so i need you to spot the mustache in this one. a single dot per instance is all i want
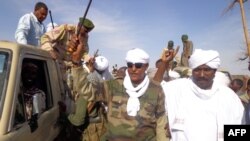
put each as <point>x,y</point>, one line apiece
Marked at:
<point>201,79</point>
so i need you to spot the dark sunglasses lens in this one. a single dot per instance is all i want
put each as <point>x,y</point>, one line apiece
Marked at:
<point>130,65</point>
<point>138,65</point>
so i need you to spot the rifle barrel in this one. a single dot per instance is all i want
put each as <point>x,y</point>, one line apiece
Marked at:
<point>84,17</point>
<point>51,19</point>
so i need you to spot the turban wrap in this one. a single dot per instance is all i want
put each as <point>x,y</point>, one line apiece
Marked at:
<point>101,63</point>
<point>207,57</point>
<point>137,55</point>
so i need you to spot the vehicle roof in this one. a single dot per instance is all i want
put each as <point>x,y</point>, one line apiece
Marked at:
<point>15,47</point>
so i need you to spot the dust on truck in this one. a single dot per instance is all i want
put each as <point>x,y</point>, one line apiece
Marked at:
<point>14,123</point>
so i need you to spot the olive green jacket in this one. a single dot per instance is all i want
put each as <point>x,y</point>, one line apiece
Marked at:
<point>147,125</point>
<point>88,88</point>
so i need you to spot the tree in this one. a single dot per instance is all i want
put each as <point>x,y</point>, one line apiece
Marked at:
<point>243,22</point>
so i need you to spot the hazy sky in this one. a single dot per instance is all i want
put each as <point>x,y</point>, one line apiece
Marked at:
<point>147,24</point>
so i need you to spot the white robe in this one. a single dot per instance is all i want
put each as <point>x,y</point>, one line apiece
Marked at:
<point>197,117</point>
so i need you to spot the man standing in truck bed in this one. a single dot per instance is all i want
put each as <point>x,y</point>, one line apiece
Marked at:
<point>30,26</point>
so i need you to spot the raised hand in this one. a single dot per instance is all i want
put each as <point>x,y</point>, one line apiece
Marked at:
<point>72,44</point>
<point>169,54</point>
<point>78,48</point>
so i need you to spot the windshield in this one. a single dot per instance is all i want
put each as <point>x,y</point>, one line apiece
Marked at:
<point>4,59</point>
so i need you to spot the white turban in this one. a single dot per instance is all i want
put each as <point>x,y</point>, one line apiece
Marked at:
<point>137,55</point>
<point>50,27</point>
<point>207,57</point>
<point>174,74</point>
<point>101,63</point>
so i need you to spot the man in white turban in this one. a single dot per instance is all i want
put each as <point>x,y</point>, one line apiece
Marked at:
<point>102,67</point>
<point>135,105</point>
<point>198,107</point>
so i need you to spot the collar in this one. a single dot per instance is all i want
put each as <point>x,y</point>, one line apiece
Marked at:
<point>34,17</point>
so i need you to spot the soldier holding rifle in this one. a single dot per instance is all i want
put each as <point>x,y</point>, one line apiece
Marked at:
<point>60,41</point>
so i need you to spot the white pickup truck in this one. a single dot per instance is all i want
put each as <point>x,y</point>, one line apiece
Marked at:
<point>15,126</point>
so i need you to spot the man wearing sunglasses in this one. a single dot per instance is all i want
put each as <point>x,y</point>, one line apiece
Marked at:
<point>198,107</point>
<point>135,104</point>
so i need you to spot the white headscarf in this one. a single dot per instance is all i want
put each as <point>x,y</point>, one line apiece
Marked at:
<point>102,64</point>
<point>133,104</point>
<point>207,57</point>
<point>135,55</point>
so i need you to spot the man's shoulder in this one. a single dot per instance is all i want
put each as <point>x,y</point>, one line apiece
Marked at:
<point>64,27</point>
<point>154,87</point>
<point>26,16</point>
<point>227,93</point>
<point>180,82</point>
<point>70,27</point>
<point>226,89</point>
<point>114,82</point>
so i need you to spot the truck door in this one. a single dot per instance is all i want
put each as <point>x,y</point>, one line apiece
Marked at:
<point>36,109</point>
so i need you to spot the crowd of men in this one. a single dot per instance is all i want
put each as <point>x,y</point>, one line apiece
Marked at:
<point>133,106</point>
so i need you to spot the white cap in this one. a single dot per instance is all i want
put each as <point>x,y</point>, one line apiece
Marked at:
<point>137,55</point>
<point>101,63</point>
<point>50,27</point>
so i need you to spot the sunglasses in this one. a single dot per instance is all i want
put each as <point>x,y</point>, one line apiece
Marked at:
<point>137,65</point>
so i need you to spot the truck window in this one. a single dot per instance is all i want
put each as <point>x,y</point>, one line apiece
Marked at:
<point>4,59</point>
<point>35,96</point>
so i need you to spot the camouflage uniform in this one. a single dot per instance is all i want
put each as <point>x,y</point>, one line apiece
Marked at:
<point>187,51</point>
<point>88,113</point>
<point>56,41</point>
<point>150,121</point>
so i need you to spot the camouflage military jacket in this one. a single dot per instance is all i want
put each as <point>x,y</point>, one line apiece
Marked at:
<point>187,48</point>
<point>89,88</point>
<point>56,40</point>
<point>147,125</point>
